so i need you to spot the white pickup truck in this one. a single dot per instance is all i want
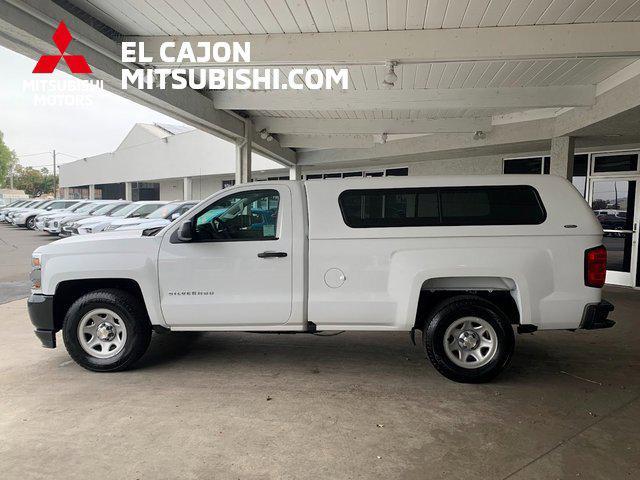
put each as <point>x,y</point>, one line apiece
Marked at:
<point>464,260</point>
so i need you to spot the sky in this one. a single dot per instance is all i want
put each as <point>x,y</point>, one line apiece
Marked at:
<point>75,131</point>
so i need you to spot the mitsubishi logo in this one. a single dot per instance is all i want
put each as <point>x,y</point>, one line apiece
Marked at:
<point>48,63</point>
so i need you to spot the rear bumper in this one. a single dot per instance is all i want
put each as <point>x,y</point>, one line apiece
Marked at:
<point>595,316</point>
<point>41,315</point>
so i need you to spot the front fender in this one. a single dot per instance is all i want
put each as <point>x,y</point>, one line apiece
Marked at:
<point>133,258</point>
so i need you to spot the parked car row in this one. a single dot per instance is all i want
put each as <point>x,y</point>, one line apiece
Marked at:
<point>81,217</point>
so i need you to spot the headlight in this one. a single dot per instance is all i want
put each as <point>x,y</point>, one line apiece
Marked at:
<point>112,227</point>
<point>36,272</point>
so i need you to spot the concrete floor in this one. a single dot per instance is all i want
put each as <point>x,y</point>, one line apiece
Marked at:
<point>16,246</point>
<point>357,405</point>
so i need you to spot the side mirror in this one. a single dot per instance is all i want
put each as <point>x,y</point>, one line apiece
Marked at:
<point>49,209</point>
<point>175,216</point>
<point>185,233</point>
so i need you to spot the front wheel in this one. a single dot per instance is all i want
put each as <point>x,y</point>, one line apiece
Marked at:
<point>31,223</point>
<point>468,339</point>
<point>106,330</point>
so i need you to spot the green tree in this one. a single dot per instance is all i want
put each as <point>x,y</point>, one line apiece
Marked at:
<point>8,159</point>
<point>32,181</point>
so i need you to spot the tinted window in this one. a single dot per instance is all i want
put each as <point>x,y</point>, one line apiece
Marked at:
<point>249,215</point>
<point>509,205</point>
<point>615,163</point>
<point>447,206</point>
<point>390,208</point>
<point>523,165</point>
<point>397,172</point>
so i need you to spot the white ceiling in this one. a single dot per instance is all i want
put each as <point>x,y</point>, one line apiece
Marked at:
<point>228,17</point>
<point>202,17</point>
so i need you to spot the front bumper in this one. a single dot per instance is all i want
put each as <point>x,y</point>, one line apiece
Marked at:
<point>68,231</point>
<point>52,226</point>
<point>41,315</point>
<point>595,316</point>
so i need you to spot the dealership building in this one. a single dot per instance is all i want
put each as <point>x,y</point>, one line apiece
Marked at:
<point>437,87</point>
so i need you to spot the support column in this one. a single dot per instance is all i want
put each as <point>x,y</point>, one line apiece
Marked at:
<point>64,193</point>
<point>92,192</point>
<point>562,151</point>
<point>128,191</point>
<point>243,154</point>
<point>295,172</point>
<point>187,187</point>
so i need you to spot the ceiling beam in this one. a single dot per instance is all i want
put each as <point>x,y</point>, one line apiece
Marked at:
<point>620,99</point>
<point>423,99</point>
<point>418,46</point>
<point>28,26</point>
<point>305,140</point>
<point>373,126</point>
<point>512,138</point>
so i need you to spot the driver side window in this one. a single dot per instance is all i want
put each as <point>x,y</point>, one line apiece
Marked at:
<point>250,215</point>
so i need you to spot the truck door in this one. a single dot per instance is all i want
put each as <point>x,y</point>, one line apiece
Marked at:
<point>237,270</point>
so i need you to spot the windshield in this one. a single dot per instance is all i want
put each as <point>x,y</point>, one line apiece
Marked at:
<point>46,204</point>
<point>123,212</point>
<point>86,208</point>
<point>104,209</point>
<point>164,211</point>
<point>74,207</point>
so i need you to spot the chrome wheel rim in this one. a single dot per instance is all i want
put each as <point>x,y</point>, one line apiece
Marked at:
<point>470,342</point>
<point>102,333</point>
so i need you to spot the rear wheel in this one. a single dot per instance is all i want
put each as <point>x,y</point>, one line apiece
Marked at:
<point>106,330</point>
<point>468,339</point>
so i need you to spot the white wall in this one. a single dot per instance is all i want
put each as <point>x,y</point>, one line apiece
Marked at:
<point>491,165</point>
<point>202,187</point>
<point>190,154</point>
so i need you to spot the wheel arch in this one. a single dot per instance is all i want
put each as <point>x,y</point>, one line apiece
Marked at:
<point>501,291</point>
<point>68,291</point>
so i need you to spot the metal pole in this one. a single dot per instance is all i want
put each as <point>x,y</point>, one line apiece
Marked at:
<point>54,173</point>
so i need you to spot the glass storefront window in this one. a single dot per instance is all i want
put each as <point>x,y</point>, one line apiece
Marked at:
<point>526,166</point>
<point>580,168</point>
<point>627,162</point>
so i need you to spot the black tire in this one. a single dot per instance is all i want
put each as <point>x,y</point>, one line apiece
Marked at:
<point>131,312</point>
<point>450,311</point>
<point>30,223</point>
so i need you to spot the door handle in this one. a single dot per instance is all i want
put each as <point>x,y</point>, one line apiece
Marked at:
<point>272,254</point>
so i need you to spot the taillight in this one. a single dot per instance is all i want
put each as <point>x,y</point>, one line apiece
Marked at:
<point>595,266</point>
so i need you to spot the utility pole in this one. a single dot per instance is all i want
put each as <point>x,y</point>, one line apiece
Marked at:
<point>11,177</point>
<point>54,173</point>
